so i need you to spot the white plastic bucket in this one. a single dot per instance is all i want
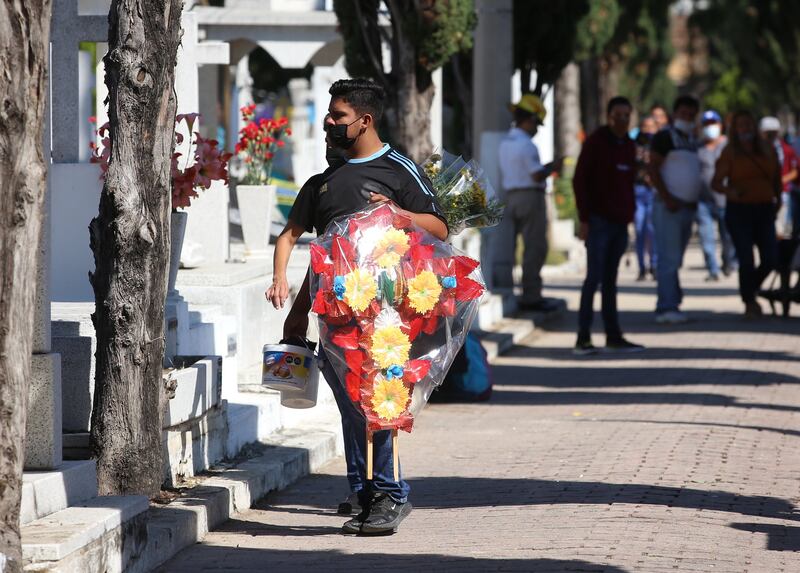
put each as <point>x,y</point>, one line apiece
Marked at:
<point>292,370</point>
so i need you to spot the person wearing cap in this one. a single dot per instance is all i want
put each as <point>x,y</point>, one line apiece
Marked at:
<point>711,205</point>
<point>524,180</point>
<point>770,128</point>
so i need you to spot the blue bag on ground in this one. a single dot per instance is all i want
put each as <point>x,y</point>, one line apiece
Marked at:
<point>469,378</point>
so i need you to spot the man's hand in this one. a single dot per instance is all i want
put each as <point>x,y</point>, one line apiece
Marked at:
<point>296,324</point>
<point>583,231</point>
<point>558,165</point>
<point>278,292</point>
<point>378,198</point>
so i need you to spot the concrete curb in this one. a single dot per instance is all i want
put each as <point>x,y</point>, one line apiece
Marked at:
<point>290,455</point>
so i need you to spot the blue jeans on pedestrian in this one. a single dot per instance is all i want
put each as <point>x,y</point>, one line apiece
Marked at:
<point>753,226</point>
<point>643,224</point>
<point>673,230</point>
<point>708,213</point>
<point>354,431</point>
<point>605,246</point>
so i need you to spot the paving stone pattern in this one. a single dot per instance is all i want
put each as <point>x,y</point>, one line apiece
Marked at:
<point>683,458</point>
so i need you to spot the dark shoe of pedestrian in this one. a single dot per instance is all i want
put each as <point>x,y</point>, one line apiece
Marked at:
<point>753,310</point>
<point>622,345</point>
<point>712,278</point>
<point>350,504</point>
<point>354,525</point>
<point>642,277</point>
<point>385,515</point>
<point>584,347</point>
<point>543,305</point>
<point>728,270</point>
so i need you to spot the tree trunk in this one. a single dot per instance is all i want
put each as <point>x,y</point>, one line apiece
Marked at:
<point>24,41</point>
<point>568,112</point>
<point>130,239</point>
<point>409,116</point>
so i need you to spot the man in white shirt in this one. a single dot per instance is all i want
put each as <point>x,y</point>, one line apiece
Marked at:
<point>524,180</point>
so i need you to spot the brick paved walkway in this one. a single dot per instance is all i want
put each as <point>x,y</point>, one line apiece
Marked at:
<point>683,458</point>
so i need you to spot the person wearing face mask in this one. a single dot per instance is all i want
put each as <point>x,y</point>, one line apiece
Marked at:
<point>770,128</point>
<point>524,180</point>
<point>643,217</point>
<point>675,172</point>
<point>749,174</point>
<point>363,170</point>
<point>711,205</point>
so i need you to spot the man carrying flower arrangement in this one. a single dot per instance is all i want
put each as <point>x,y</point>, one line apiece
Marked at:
<point>373,172</point>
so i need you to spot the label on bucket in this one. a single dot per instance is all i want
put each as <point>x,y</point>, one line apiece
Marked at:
<point>285,369</point>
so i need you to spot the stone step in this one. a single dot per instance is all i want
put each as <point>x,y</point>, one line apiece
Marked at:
<point>98,535</point>
<point>47,492</point>
<point>204,313</point>
<point>76,446</point>
<point>283,459</point>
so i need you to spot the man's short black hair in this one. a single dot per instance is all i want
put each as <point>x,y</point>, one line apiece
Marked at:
<point>521,115</point>
<point>686,101</point>
<point>618,100</point>
<point>364,95</point>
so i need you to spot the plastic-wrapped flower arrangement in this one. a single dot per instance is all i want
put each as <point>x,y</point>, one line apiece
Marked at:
<point>464,192</point>
<point>394,306</point>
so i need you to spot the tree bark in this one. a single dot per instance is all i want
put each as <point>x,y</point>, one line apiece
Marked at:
<point>411,96</point>
<point>130,239</point>
<point>567,97</point>
<point>24,41</point>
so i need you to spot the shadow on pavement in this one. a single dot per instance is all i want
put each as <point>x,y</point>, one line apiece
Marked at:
<point>650,288</point>
<point>558,354</point>
<point>588,376</point>
<point>521,397</point>
<point>211,558</point>
<point>458,492</point>
<point>785,432</point>
<point>779,537</point>
<point>643,321</point>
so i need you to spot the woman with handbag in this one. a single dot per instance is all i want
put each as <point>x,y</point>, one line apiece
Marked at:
<point>749,175</point>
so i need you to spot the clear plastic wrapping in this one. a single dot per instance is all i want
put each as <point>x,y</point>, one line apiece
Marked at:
<point>394,306</point>
<point>464,192</point>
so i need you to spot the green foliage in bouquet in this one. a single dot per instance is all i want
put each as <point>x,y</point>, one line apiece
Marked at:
<point>464,194</point>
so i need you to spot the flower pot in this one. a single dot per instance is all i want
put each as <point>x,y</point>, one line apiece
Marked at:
<point>177,232</point>
<point>256,203</point>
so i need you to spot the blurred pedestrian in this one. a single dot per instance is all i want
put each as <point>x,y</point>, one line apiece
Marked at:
<point>604,194</point>
<point>660,115</point>
<point>711,205</point>
<point>675,173</point>
<point>749,175</point>
<point>524,179</point>
<point>643,217</point>
<point>770,128</point>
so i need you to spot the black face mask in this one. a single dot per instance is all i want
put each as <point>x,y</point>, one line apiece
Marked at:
<point>334,157</point>
<point>337,134</point>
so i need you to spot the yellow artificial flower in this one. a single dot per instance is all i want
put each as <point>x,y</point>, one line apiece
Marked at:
<point>359,288</point>
<point>423,291</point>
<point>390,346</point>
<point>389,398</point>
<point>390,248</point>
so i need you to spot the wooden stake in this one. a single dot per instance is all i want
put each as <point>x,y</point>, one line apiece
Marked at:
<point>395,456</point>
<point>369,455</point>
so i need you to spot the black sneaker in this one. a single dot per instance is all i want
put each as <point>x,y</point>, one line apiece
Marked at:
<point>584,348</point>
<point>350,504</point>
<point>364,502</point>
<point>384,516</point>
<point>622,345</point>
